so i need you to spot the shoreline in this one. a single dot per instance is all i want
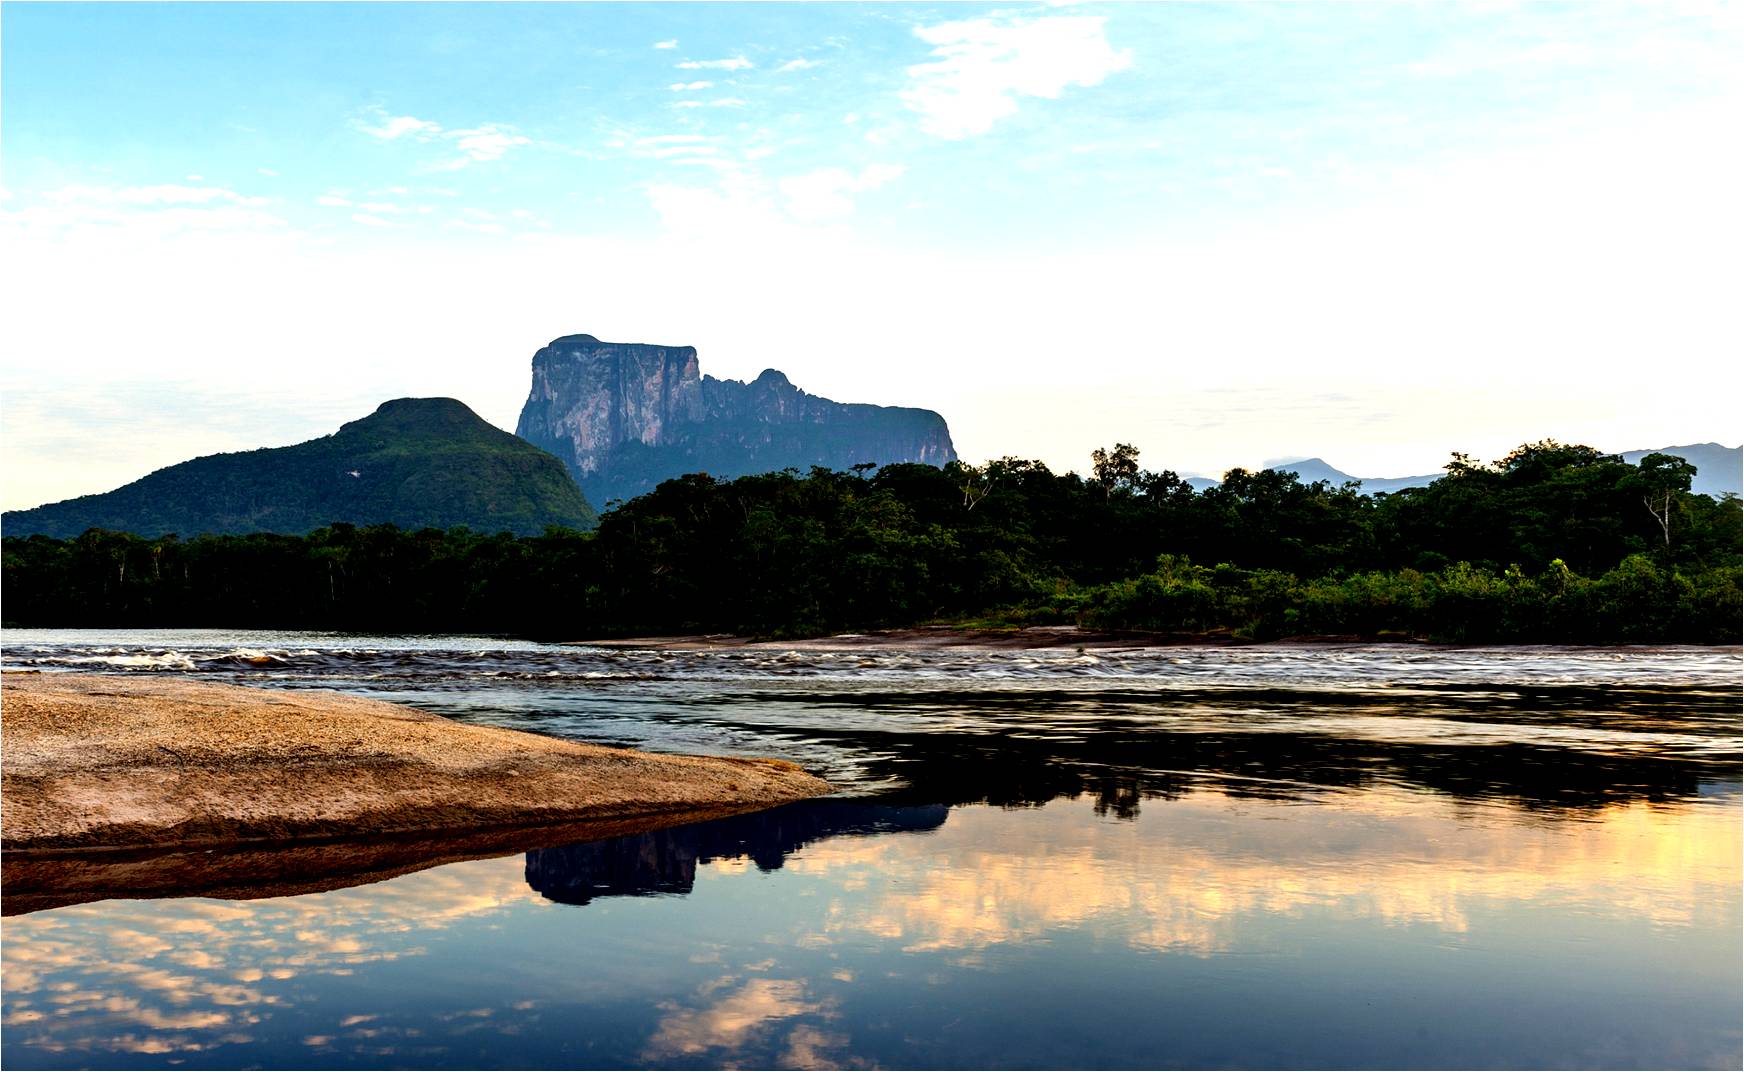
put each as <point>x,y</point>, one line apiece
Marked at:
<point>1025,638</point>
<point>102,768</point>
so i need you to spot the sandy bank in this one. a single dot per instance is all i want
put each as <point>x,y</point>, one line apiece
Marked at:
<point>98,762</point>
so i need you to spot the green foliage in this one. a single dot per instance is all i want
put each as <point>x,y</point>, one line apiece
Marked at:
<point>1551,544</point>
<point>414,462</point>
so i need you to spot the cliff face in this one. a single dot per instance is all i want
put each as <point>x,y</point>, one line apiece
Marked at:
<point>625,416</point>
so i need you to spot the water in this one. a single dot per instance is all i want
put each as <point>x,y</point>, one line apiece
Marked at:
<point>1251,857</point>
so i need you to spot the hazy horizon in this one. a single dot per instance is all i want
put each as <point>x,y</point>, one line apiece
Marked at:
<point>1227,234</point>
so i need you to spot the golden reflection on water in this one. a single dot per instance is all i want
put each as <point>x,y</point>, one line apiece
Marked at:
<point>199,973</point>
<point>1200,875</point>
<point>1188,878</point>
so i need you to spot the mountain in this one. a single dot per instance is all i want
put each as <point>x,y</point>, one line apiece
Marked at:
<point>1312,469</point>
<point>625,416</point>
<point>1718,470</point>
<point>415,462</point>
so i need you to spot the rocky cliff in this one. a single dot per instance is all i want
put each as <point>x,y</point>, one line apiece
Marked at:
<point>625,416</point>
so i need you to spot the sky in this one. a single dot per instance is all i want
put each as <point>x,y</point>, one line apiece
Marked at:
<point>1229,234</point>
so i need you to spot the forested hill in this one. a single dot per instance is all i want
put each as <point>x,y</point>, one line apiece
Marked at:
<point>414,462</point>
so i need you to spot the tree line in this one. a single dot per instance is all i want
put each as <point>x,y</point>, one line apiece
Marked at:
<point>1552,543</point>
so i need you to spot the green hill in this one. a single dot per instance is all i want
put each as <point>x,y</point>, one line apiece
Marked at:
<point>414,462</point>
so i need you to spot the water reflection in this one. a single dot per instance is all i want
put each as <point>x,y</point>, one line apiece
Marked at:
<point>665,861</point>
<point>798,934</point>
<point>185,976</point>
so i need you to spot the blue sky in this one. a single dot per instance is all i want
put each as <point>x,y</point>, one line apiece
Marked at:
<point>1228,233</point>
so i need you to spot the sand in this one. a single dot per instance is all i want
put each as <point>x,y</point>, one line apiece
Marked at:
<point>105,762</point>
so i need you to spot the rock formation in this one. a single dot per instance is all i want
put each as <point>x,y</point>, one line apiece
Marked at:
<point>625,416</point>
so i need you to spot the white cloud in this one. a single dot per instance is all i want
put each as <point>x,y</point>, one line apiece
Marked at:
<point>393,127</point>
<point>800,65</point>
<point>985,65</point>
<point>168,194</point>
<point>670,146</point>
<point>681,87</point>
<point>828,193</point>
<point>736,63</point>
<point>333,201</point>
<point>719,102</point>
<point>370,221</point>
<point>138,216</point>
<point>196,178</point>
<point>668,43</point>
<point>268,172</point>
<point>488,142</point>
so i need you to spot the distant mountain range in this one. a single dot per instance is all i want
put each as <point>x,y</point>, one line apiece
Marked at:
<point>1719,469</point>
<point>626,416</point>
<point>414,462</point>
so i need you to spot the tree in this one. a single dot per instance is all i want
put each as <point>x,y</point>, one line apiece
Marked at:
<point>1662,480</point>
<point>1113,469</point>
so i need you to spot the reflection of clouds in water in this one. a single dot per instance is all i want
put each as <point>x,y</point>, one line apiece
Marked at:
<point>128,976</point>
<point>1186,881</point>
<point>753,1011</point>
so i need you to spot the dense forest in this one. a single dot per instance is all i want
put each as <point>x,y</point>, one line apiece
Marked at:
<point>1552,543</point>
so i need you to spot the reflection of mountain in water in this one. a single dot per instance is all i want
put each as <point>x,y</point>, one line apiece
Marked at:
<point>665,861</point>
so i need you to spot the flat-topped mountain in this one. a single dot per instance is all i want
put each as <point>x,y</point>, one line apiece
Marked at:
<point>414,462</point>
<point>625,416</point>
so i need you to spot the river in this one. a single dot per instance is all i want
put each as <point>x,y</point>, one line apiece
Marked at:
<point>1266,857</point>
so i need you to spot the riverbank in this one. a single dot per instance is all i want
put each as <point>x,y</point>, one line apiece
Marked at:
<point>107,762</point>
<point>1034,637</point>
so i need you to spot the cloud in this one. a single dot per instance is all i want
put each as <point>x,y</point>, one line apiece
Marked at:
<point>268,172</point>
<point>370,221</point>
<point>140,213</point>
<point>800,65</point>
<point>488,142</point>
<point>719,102</point>
<point>680,87</point>
<point>826,193</point>
<point>485,142</point>
<point>736,63</point>
<point>985,65</point>
<point>167,194</point>
<point>732,1020</point>
<point>394,127</point>
<point>671,42</point>
<point>668,146</point>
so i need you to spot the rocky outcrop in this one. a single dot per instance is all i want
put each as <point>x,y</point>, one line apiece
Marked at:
<point>625,416</point>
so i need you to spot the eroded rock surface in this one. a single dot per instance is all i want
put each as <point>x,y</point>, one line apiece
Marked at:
<point>625,416</point>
